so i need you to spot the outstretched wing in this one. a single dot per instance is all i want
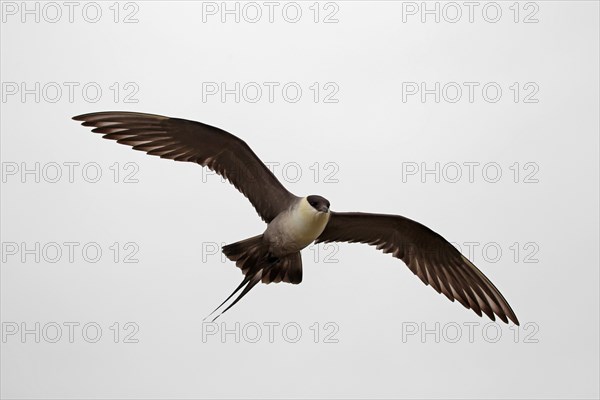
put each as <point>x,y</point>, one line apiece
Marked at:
<point>183,140</point>
<point>427,254</point>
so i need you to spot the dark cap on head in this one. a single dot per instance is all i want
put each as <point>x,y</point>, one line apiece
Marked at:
<point>319,203</point>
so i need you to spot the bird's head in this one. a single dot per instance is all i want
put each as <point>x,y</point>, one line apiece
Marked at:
<point>321,204</point>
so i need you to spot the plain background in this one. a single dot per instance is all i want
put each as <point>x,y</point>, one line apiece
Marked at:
<point>174,211</point>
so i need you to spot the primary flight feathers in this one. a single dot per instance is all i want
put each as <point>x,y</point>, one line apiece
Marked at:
<point>294,222</point>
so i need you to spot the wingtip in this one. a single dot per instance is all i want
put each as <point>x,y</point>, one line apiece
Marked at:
<point>503,318</point>
<point>117,115</point>
<point>86,116</point>
<point>507,318</point>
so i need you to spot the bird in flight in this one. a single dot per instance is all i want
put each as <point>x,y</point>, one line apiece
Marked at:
<point>295,222</point>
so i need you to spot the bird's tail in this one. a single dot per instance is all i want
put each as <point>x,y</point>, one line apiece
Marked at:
<point>252,257</point>
<point>247,253</point>
<point>249,282</point>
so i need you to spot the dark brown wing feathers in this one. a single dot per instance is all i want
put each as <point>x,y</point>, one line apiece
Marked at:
<point>428,255</point>
<point>184,140</point>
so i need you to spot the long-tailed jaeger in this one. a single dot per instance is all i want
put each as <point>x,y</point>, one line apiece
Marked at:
<point>295,222</point>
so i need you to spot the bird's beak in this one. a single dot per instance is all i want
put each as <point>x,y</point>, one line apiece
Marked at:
<point>324,209</point>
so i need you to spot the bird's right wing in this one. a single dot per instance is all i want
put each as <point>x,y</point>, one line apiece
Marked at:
<point>427,254</point>
<point>183,140</point>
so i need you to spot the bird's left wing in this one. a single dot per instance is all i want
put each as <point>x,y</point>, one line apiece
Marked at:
<point>427,254</point>
<point>183,140</point>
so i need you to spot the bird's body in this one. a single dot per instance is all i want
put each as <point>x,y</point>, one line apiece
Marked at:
<point>295,222</point>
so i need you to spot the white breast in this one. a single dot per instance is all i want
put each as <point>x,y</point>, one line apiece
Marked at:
<point>305,224</point>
